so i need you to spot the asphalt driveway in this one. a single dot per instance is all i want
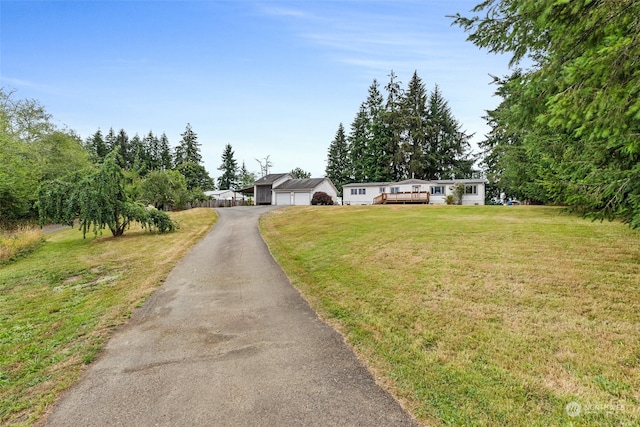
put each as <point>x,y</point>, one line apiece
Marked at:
<point>227,341</point>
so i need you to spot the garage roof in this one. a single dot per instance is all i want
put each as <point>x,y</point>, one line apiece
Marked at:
<point>270,179</point>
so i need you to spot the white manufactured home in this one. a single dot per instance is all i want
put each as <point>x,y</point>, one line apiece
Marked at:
<point>412,191</point>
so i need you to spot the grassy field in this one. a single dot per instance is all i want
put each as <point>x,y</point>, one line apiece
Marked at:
<point>59,304</point>
<point>477,315</point>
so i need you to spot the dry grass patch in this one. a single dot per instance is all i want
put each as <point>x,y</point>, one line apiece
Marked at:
<point>478,315</point>
<point>59,305</point>
<point>20,242</point>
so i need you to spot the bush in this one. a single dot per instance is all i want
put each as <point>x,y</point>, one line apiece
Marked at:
<point>321,198</point>
<point>161,221</point>
<point>458,192</point>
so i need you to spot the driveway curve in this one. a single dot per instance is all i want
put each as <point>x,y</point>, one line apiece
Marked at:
<point>227,341</point>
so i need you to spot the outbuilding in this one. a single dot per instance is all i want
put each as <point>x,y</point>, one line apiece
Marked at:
<point>284,190</point>
<point>300,191</point>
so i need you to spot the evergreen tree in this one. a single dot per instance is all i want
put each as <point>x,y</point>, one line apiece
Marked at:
<point>577,108</point>
<point>110,140</point>
<point>300,173</point>
<point>358,139</point>
<point>229,167</point>
<point>138,156</point>
<point>393,122</point>
<point>125,158</point>
<point>339,161</point>
<point>447,146</point>
<point>151,146</point>
<point>164,149</point>
<point>377,161</point>
<point>414,111</point>
<point>97,146</point>
<point>188,150</point>
<point>246,178</point>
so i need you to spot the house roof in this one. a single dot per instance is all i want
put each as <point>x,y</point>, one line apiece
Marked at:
<point>219,192</point>
<point>367,184</point>
<point>270,179</point>
<point>300,184</point>
<point>463,181</point>
<point>412,181</point>
<point>415,181</point>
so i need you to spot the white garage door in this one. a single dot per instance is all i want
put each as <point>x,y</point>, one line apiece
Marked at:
<point>301,199</point>
<point>283,199</point>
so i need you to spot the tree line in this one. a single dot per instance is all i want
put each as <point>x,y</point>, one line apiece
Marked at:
<point>107,180</point>
<point>568,128</point>
<point>49,173</point>
<point>150,153</point>
<point>410,134</point>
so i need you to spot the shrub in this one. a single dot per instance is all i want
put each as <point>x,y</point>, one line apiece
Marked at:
<point>458,192</point>
<point>161,221</point>
<point>321,198</point>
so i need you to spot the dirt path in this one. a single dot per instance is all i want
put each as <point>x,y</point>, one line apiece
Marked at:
<point>227,341</point>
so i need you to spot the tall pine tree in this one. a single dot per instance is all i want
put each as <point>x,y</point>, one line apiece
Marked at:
<point>110,140</point>
<point>358,139</point>
<point>97,146</point>
<point>166,160</point>
<point>152,149</point>
<point>188,150</point>
<point>377,160</point>
<point>338,160</point>
<point>122,144</point>
<point>393,121</point>
<point>229,167</point>
<point>447,145</point>
<point>414,111</point>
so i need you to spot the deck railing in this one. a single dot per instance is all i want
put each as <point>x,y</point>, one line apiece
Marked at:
<point>406,197</point>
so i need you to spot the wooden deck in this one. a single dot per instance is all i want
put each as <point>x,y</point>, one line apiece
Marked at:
<point>402,198</point>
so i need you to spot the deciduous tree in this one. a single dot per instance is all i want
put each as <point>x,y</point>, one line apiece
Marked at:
<point>99,200</point>
<point>164,188</point>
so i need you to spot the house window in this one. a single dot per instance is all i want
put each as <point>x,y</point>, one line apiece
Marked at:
<point>362,191</point>
<point>383,189</point>
<point>437,190</point>
<point>470,189</point>
<point>354,191</point>
<point>395,190</point>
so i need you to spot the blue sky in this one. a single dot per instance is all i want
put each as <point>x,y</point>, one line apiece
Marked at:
<point>268,77</point>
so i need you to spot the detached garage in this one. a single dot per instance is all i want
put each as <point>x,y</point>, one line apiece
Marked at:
<point>300,191</point>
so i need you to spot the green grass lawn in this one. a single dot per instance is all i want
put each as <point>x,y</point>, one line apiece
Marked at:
<point>59,304</point>
<point>477,315</point>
